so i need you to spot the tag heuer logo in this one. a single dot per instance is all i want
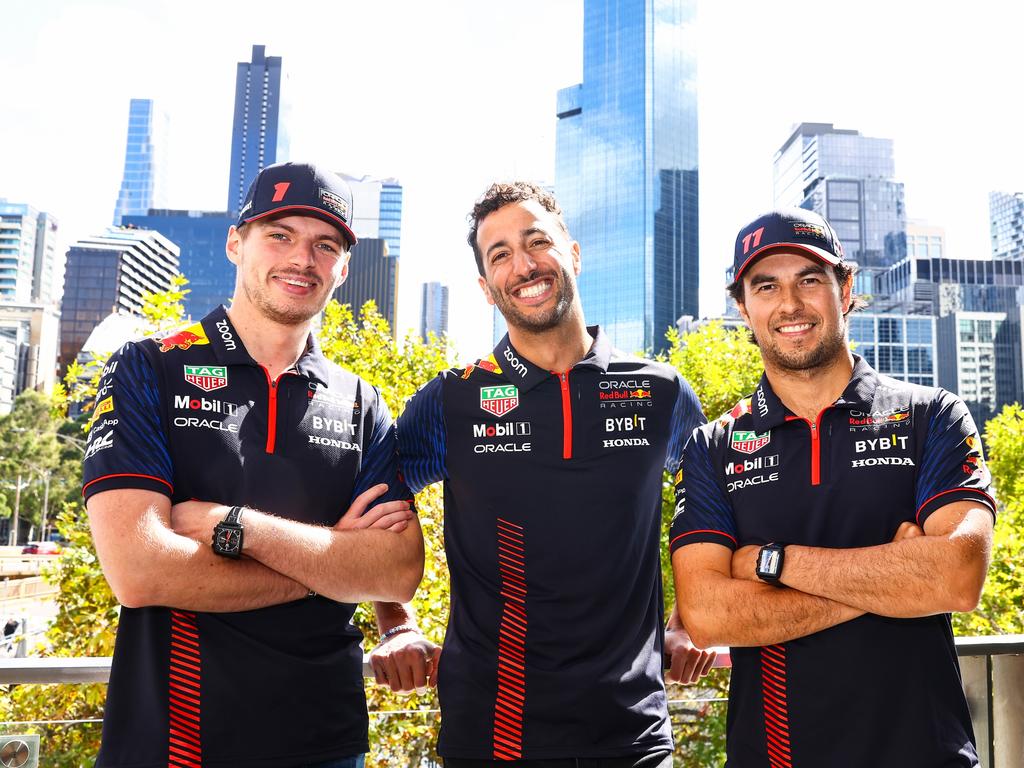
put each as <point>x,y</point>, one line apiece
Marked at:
<point>207,377</point>
<point>749,442</point>
<point>499,400</point>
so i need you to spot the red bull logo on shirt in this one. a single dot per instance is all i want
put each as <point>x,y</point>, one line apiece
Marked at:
<point>185,338</point>
<point>499,400</point>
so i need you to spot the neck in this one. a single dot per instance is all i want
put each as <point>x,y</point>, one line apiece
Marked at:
<point>275,346</point>
<point>556,349</point>
<point>807,393</point>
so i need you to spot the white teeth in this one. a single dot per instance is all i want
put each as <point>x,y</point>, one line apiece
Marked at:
<point>795,328</point>
<point>534,290</point>
<point>293,281</point>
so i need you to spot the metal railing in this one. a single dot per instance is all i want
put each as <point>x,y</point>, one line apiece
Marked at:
<point>992,670</point>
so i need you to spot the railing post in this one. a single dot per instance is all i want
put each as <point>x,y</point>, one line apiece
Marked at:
<point>975,671</point>
<point>1008,711</point>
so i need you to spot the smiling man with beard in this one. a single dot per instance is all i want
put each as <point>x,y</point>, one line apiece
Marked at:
<point>827,526</point>
<point>552,452</point>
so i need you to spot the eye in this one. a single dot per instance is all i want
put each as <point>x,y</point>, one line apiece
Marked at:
<point>328,247</point>
<point>540,242</point>
<point>498,256</point>
<point>281,236</point>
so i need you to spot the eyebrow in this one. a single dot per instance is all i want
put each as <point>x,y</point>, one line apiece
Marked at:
<point>333,236</point>
<point>810,269</point>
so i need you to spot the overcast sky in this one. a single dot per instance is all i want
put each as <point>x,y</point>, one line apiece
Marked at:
<point>447,96</point>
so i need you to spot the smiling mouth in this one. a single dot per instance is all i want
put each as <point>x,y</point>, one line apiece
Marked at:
<point>296,281</point>
<point>794,328</point>
<point>534,290</point>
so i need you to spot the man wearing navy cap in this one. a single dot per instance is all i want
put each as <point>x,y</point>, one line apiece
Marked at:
<point>229,478</point>
<point>826,527</point>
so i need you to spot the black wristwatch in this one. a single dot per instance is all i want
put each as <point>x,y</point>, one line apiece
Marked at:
<point>227,534</point>
<point>769,563</point>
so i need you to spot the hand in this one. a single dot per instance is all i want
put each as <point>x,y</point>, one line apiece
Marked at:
<point>407,662</point>
<point>744,562</point>
<point>196,519</point>
<point>687,662</point>
<point>389,516</point>
<point>908,530</point>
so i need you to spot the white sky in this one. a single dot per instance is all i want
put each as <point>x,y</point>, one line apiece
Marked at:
<point>448,96</point>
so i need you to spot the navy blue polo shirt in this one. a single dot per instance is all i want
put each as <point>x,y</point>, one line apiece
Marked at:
<point>191,415</point>
<point>874,691</point>
<point>552,512</point>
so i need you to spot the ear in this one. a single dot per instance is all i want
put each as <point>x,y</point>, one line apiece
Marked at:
<point>576,263</point>
<point>233,245</point>
<point>486,289</point>
<point>343,274</point>
<point>743,313</point>
<point>846,294</point>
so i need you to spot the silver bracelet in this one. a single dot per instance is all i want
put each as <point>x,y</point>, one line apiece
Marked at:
<point>399,630</point>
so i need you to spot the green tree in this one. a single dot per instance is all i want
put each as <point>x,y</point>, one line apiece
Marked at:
<point>722,366</point>
<point>1001,610</point>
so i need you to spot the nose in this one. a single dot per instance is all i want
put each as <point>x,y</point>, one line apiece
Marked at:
<point>523,262</point>
<point>790,301</point>
<point>303,253</point>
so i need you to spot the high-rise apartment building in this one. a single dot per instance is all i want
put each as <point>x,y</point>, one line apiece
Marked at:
<point>201,236</point>
<point>373,274</point>
<point>434,310</point>
<point>109,273</point>
<point>144,178</point>
<point>1006,215</point>
<point>29,335</point>
<point>626,167</point>
<point>377,209</point>
<point>848,179</point>
<point>258,137</point>
<point>30,268</point>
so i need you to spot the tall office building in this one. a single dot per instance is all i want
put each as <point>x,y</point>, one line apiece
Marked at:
<point>30,268</point>
<point>144,179</point>
<point>1006,214</point>
<point>626,167</point>
<point>258,137</point>
<point>434,310</point>
<point>201,236</point>
<point>108,274</point>
<point>848,179</point>
<point>377,209</point>
<point>373,274</point>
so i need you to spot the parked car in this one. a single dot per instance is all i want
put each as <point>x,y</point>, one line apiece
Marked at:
<point>41,548</point>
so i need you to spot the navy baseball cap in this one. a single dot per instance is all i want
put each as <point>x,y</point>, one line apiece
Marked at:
<point>301,189</point>
<point>795,228</point>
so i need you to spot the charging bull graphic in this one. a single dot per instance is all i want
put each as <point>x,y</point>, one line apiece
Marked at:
<point>185,338</point>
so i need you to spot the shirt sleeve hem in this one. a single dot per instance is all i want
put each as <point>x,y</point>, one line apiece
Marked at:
<point>943,498</point>
<point>127,480</point>
<point>702,536</point>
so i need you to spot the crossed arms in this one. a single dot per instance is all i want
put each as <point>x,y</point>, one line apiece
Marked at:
<point>937,569</point>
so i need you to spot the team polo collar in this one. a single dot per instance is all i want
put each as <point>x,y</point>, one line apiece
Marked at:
<point>228,348</point>
<point>526,375</point>
<point>768,411</point>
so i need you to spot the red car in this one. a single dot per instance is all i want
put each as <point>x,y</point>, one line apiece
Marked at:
<point>41,548</point>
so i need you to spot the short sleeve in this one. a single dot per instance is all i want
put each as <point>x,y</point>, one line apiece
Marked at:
<point>686,416</point>
<point>422,437</point>
<point>702,513</point>
<point>952,463</point>
<point>127,446</point>
<point>380,456</point>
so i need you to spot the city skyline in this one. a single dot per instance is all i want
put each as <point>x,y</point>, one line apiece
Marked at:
<point>448,115</point>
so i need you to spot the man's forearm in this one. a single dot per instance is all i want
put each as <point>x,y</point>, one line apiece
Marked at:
<point>911,577</point>
<point>345,565</point>
<point>719,610</point>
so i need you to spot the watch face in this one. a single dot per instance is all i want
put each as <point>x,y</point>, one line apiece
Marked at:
<point>768,562</point>
<point>228,540</point>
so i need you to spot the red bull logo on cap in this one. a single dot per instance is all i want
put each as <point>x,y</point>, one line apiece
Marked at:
<point>185,338</point>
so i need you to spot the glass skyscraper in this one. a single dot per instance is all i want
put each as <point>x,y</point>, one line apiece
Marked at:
<point>1006,214</point>
<point>848,179</point>
<point>143,179</point>
<point>626,167</point>
<point>258,138</point>
<point>30,268</point>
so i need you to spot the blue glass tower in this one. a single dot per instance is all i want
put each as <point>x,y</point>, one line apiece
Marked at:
<point>626,167</point>
<point>142,179</point>
<point>257,139</point>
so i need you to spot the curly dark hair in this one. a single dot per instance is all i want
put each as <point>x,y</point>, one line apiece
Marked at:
<point>843,271</point>
<point>500,194</point>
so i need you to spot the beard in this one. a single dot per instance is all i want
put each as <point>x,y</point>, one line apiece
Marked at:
<point>830,347</point>
<point>294,313</point>
<point>543,320</point>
